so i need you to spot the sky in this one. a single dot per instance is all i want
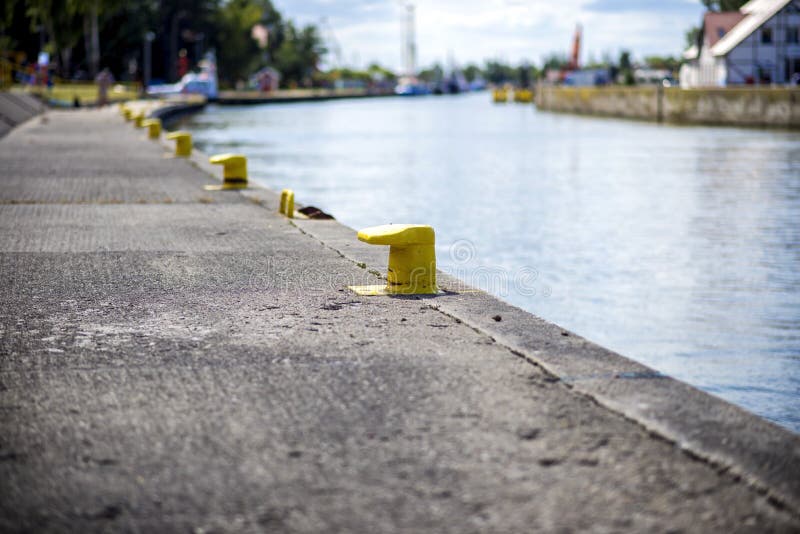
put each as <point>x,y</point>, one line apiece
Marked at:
<point>510,30</point>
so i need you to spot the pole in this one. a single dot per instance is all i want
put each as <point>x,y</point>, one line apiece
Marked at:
<point>198,47</point>
<point>94,56</point>
<point>148,53</point>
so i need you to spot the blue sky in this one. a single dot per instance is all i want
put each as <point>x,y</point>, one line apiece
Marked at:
<point>512,30</point>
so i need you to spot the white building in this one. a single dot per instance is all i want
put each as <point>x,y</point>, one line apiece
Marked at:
<point>756,45</point>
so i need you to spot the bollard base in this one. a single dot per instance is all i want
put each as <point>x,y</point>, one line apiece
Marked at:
<point>383,289</point>
<point>224,187</point>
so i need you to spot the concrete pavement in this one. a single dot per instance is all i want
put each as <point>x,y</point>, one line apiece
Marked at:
<point>173,359</point>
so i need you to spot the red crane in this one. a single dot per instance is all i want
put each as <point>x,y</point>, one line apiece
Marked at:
<point>574,60</point>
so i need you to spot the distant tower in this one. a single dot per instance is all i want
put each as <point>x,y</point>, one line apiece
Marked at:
<point>410,44</point>
<point>330,39</point>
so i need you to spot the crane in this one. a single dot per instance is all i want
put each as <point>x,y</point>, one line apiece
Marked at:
<point>410,40</point>
<point>574,60</point>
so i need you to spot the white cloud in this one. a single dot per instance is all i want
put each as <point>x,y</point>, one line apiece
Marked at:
<point>514,30</point>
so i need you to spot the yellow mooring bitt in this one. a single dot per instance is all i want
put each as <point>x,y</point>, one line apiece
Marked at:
<point>524,96</point>
<point>183,143</point>
<point>138,119</point>
<point>234,174</point>
<point>153,128</point>
<point>287,203</point>
<point>127,113</point>
<point>500,95</point>
<point>412,259</point>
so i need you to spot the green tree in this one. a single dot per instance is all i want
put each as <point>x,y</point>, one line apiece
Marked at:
<point>662,62</point>
<point>471,72</point>
<point>7,41</point>
<point>378,72</point>
<point>432,74</point>
<point>346,73</point>
<point>526,75</point>
<point>692,35</point>
<point>43,15</point>
<point>113,33</point>
<point>497,72</point>
<point>724,5</point>
<point>299,54</point>
<point>626,68</point>
<point>604,62</point>
<point>61,24</point>
<point>237,52</point>
<point>555,61</point>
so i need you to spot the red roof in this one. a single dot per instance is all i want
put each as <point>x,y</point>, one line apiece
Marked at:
<point>716,25</point>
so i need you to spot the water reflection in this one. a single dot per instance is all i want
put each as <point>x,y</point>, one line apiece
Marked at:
<point>678,247</point>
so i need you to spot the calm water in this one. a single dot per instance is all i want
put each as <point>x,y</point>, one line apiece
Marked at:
<point>676,246</point>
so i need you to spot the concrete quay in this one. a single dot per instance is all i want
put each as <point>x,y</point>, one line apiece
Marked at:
<point>289,96</point>
<point>180,360</point>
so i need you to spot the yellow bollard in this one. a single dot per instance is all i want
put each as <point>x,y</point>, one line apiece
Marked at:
<point>153,128</point>
<point>500,95</point>
<point>412,259</point>
<point>287,203</point>
<point>138,119</point>
<point>127,113</point>
<point>183,143</point>
<point>234,175</point>
<point>524,96</point>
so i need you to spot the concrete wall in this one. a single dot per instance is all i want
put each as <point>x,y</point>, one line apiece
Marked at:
<point>745,106</point>
<point>16,108</point>
<point>628,102</point>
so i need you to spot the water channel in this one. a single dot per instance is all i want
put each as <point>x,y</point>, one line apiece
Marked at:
<point>678,247</point>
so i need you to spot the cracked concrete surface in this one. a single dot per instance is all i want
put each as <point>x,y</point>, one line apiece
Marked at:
<point>199,365</point>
